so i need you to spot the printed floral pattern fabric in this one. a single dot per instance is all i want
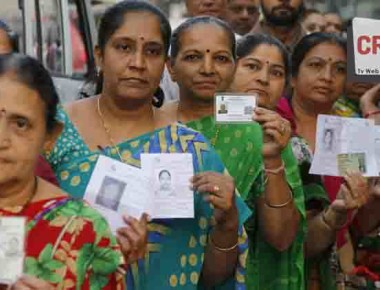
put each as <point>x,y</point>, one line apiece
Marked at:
<point>70,246</point>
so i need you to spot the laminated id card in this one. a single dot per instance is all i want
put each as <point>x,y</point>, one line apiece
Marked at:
<point>234,108</point>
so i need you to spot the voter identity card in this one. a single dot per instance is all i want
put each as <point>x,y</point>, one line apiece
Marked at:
<point>116,189</point>
<point>12,248</point>
<point>351,162</point>
<point>234,108</point>
<point>170,174</point>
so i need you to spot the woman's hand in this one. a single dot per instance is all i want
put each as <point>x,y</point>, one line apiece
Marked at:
<point>374,187</point>
<point>133,239</point>
<point>353,194</point>
<point>369,101</point>
<point>277,131</point>
<point>31,283</point>
<point>219,191</point>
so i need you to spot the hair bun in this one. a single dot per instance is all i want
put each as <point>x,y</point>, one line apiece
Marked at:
<point>158,98</point>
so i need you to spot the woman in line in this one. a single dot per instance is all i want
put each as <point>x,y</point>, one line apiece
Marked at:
<point>9,44</point>
<point>359,256</point>
<point>318,80</point>
<point>134,38</point>
<point>61,231</point>
<point>263,69</point>
<point>203,64</point>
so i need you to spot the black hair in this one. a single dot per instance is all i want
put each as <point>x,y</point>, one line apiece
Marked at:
<point>32,73</point>
<point>164,171</point>
<point>114,18</point>
<point>250,42</point>
<point>12,36</point>
<point>308,42</point>
<point>176,41</point>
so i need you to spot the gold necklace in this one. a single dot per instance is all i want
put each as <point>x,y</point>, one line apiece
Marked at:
<point>107,129</point>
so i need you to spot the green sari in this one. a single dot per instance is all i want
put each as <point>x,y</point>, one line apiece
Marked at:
<point>240,147</point>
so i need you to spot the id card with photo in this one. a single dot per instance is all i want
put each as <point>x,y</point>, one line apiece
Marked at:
<point>12,248</point>
<point>170,174</point>
<point>234,108</point>
<point>351,161</point>
<point>344,144</point>
<point>116,189</point>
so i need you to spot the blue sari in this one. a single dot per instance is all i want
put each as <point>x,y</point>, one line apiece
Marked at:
<point>176,247</point>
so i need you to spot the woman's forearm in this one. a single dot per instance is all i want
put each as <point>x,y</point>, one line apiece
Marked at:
<point>279,224</point>
<point>221,255</point>
<point>321,232</point>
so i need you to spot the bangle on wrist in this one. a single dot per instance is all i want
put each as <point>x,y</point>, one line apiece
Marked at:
<point>369,114</point>
<point>277,170</point>
<point>281,205</point>
<point>224,250</point>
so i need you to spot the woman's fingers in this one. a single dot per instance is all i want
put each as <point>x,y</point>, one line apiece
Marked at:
<point>360,185</point>
<point>27,282</point>
<point>140,227</point>
<point>274,134</point>
<point>263,117</point>
<point>218,202</point>
<point>210,189</point>
<point>351,184</point>
<point>124,243</point>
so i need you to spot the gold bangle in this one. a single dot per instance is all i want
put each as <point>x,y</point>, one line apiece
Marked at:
<point>224,250</point>
<point>279,205</point>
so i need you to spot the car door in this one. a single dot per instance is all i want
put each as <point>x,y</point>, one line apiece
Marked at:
<point>61,34</point>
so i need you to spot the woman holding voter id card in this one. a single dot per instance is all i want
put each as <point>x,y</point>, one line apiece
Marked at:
<point>48,240</point>
<point>203,64</point>
<point>263,69</point>
<point>202,252</point>
<point>318,80</point>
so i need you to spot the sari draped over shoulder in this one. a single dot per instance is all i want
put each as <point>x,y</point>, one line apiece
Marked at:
<point>176,247</point>
<point>240,147</point>
<point>316,197</point>
<point>70,246</point>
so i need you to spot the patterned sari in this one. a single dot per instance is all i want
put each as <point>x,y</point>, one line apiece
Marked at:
<point>176,246</point>
<point>240,147</point>
<point>70,245</point>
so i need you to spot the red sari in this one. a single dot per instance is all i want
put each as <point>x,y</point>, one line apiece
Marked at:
<point>70,245</point>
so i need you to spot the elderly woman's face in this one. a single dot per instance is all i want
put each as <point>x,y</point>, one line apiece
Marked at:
<point>5,44</point>
<point>22,129</point>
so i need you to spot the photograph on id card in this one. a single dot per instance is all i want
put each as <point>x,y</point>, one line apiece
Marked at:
<point>234,108</point>
<point>116,189</point>
<point>170,174</point>
<point>12,248</point>
<point>351,162</point>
